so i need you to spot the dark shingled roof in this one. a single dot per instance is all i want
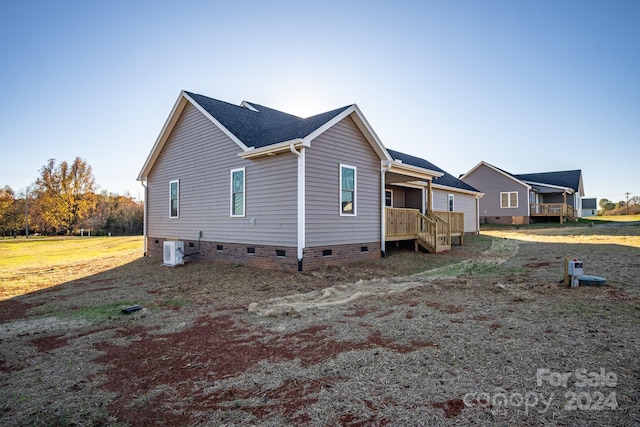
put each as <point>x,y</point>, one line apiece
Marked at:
<point>589,203</point>
<point>446,179</point>
<point>265,126</point>
<point>570,179</point>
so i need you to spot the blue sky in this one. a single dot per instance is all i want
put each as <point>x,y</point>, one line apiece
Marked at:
<point>528,86</point>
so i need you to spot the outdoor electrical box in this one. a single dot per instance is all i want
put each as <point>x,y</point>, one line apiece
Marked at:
<point>173,253</point>
<point>575,268</point>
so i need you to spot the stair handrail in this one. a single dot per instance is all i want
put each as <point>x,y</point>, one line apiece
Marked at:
<point>427,230</point>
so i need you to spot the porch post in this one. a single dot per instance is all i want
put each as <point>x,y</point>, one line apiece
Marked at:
<point>384,168</point>
<point>429,197</point>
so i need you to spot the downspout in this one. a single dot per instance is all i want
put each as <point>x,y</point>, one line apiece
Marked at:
<point>144,216</point>
<point>383,220</point>
<point>430,191</point>
<point>477,215</point>
<point>301,203</point>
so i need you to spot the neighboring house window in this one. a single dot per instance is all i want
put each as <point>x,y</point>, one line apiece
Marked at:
<point>347,190</point>
<point>174,198</point>
<point>237,192</point>
<point>450,200</point>
<point>388,198</point>
<point>509,200</point>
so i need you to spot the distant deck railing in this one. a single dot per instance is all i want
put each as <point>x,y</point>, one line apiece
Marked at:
<point>553,209</point>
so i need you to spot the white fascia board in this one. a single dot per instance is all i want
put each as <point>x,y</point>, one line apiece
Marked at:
<point>473,169</point>
<point>377,145</point>
<point>495,169</point>
<point>272,150</point>
<point>169,123</point>
<point>413,171</point>
<point>217,123</point>
<point>456,190</point>
<point>412,184</point>
<point>362,124</point>
<point>558,187</point>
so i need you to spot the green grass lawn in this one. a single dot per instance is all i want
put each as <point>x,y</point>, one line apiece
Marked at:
<point>614,218</point>
<point>582,222</point>
<point>27,265</point>
<point>49,252</point>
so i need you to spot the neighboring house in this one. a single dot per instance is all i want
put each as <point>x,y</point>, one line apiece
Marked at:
<point>523,198</point>
<point>589,207</point>
<point>252,185</point>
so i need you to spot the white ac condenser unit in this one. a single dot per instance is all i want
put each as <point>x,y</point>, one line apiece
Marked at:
<point>173,253</point>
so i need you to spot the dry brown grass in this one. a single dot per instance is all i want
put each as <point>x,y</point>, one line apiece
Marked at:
<point>379,343</point>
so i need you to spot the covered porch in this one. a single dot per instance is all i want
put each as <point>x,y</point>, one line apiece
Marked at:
<point>562,211</point>
<point>548,201</point>
<point>408,213</point>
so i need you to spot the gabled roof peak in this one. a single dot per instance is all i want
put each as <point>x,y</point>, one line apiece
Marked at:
<point>255,127</point>
<point>259,126</point>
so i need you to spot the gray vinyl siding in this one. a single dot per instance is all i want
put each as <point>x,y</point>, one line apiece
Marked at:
<point>342,144</point>
<point>200,156</point>
<point>398,196</point>
<point>492,183</point>
<point>464,203</point>
<point>413,198</point>
<point>440,201</point>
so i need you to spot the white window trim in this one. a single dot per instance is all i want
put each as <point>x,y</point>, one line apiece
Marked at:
<point>453,200</point>
<point>355,190</point>
<point>509,200</point>
<point>177,182</point>
<point>244,192</point>
<point>385,198</point>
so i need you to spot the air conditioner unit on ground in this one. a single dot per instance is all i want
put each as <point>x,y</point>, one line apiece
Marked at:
<point>173,253</point>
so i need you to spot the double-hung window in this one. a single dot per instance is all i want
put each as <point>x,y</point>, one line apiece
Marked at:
<point>174,198</point>
<point>348,175</point>
<point>509,199</point>
<point>450,202</point>
<point>237,192</point>
<point>388,198</point>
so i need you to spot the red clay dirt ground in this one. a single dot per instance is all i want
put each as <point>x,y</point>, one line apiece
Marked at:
<point>484,340</point>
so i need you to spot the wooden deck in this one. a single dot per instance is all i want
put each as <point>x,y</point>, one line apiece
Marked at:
<point>433,231</point>
<point>561,210</point>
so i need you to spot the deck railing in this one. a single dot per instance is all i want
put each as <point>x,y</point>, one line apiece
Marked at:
<point>553,209</point>
<point>401,224</point>
<point>434,229</point>
<point>455,220</point>
<point>427,230</point>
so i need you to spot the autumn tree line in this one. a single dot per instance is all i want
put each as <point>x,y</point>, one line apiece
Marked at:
<point>631,206</point>
<point>63,200</point>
